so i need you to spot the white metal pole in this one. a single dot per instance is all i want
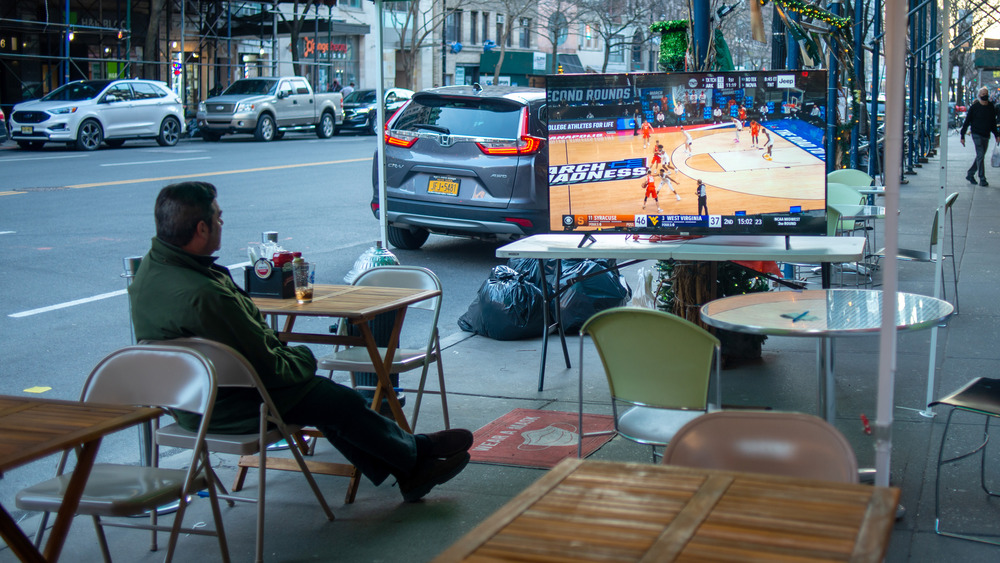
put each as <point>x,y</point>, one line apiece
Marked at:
<point>383,221</point>
<point>943,159</point>
<point>895,62</point>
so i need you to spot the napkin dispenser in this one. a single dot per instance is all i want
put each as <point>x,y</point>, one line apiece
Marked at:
<point>263,280</point>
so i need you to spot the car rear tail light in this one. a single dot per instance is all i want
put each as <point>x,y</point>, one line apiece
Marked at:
<point>524,145</point>
<point>526,223</point>
<point>400,138</point>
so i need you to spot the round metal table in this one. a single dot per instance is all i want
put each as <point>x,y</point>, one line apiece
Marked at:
<point>823,314</point>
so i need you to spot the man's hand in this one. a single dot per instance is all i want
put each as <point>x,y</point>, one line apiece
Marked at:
<point>962,139</point>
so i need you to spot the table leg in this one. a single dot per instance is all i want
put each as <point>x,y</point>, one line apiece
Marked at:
<point>71,499</point>
<point>381,366</point>
<point>827,402</point>
<point>16,540</point>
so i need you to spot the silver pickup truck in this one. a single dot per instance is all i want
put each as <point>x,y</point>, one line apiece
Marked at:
<point>268,107</point>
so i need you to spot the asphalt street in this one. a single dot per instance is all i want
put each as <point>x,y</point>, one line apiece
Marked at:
<point>68,218</point>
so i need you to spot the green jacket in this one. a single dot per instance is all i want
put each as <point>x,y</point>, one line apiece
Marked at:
<point>176,294</point>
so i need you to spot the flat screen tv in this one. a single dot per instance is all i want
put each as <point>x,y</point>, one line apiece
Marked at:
<point>688,153</point>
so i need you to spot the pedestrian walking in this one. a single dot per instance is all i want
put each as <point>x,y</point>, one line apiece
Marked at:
<point>982,120</point>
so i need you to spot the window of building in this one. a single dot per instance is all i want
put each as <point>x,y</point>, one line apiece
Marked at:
<point>486,27</point>
<point>617,49</point>
<point>473,28</point>
<point>587,36</point>
<point>500,22</point>
<point>637,41</point>
<point>357,3</point>
<point>524,35</point>
<point>453,26</point>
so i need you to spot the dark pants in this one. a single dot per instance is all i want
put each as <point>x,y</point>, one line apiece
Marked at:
<point>374,444</point>
<point>981,143</point>
<point>702,204</point>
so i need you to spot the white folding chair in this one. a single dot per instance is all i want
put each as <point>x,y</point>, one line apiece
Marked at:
<point>236,372</point>
<point>356,358</point>
<point>146,375</point>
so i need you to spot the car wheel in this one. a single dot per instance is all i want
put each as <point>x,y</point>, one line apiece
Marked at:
<point>372,124</point>
<point>407,239</point>
<point>30,145</point>
<point>114,143</point>
<point>326,126</point>
<point>210,137</point>
<point>265,129</point>
<point>170,132</point>
<point>90,136</point>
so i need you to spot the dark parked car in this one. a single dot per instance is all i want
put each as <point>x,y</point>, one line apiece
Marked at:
<point>359,108</point>
<point>466,161</point>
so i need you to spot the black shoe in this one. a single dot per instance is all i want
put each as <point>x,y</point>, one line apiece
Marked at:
<point>430,472</point>
<point>971,179</point>
<point>447,443</point>
<point>983,183</point>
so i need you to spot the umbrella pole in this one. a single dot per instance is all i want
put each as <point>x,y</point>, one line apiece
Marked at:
<point>895,60</point>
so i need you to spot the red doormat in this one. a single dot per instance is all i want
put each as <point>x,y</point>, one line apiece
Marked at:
<point>537,438</point>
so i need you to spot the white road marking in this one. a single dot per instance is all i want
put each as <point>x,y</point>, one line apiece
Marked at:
<point>67,304</point>
<point>31,158</point>
<point>7,232</point>
<point>86,300</point>
<point>158,161</point>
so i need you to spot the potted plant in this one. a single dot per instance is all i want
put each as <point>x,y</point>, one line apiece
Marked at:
<point>685,286</point>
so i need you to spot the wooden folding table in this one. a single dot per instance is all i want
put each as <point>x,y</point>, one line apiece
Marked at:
<point>607,511</point>
<point>359,305</point>
<point>32,428</point>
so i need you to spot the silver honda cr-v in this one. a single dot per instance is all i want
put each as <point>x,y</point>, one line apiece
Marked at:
<point>467,161</point>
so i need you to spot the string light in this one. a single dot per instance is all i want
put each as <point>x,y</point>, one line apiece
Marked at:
<point>813,12</point>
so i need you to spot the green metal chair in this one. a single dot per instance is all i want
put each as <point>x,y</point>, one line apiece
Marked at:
<point>658,368</point>
<point>850,177</point>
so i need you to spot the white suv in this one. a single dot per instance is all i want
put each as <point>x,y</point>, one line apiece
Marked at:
<point>85,113</point>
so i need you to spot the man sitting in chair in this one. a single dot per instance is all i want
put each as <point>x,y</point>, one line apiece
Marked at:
<point>179,291</point>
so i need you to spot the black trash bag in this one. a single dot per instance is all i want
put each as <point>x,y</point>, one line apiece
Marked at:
<point>605,289</point>
<point>507,307</point>
<point>529,267</point>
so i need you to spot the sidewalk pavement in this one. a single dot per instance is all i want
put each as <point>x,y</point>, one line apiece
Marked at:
<point>488,378</point>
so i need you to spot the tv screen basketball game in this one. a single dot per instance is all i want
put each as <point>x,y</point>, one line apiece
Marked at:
<point>688,153</point>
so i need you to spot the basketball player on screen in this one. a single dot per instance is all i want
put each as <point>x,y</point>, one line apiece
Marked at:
<point>755,134</point>
<point>657,156</point>
<point>702,198</point>
<point>647,132</point>
<point>739,127</point>
<point>666,171</point>
<point>688,141</point>
<point>650,185</point>
<point>768,145</point>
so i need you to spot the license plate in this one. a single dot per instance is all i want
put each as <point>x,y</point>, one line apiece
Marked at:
<point>443,185</point>
<point>27,130</point>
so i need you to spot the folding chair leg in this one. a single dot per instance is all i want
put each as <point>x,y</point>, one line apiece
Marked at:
<point>220,530</point>
<point>40,533</point>
<point>312,483</point>
<point>444,394</point>
<point>102,540</point>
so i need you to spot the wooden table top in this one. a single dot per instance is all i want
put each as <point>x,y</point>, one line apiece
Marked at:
<point>350,301</point>
<point>32,428</point>
<point>607,511</point>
